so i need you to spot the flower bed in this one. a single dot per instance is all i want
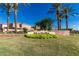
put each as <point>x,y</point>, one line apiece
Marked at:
<point>41,36</point>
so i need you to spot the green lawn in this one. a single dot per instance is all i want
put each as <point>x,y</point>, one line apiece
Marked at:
<point>23,46</point>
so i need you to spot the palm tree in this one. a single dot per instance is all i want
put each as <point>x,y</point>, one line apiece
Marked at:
<point>57,7</point>
<point>7,7</point>
<point>15,14</point>
<point>67,12</point>
<point>60,19</point>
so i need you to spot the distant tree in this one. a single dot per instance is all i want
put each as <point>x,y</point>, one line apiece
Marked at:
<point>45,24</point>
<point>37,26</point>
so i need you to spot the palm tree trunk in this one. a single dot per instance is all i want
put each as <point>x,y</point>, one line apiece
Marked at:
<point>66,22</point>
<point>8,17</point>
<point>15,16</point>
<point>60,24</point>
<point>57,14</point>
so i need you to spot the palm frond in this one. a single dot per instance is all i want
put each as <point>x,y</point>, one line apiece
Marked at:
<point>51,10</point>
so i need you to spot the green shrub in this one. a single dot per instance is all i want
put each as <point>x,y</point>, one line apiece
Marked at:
<point>41,36</point>
<point>54,36</point>
<point>25,30</point>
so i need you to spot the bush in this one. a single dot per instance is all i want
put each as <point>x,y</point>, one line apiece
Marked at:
<point>25,30</point>
<point>41,36</point>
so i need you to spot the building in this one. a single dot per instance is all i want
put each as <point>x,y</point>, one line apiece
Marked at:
<point>3,27</point>
<point>28,27</point>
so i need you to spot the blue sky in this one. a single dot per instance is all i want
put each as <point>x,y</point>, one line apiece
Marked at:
<point>37,11</point>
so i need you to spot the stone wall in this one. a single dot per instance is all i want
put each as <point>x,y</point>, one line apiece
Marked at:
<point>58,32</point>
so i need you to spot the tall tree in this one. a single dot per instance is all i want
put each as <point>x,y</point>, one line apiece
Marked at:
<point>57,7</point>
<point>7,7</point>
<point>15,13</point>
<point>67,12</point>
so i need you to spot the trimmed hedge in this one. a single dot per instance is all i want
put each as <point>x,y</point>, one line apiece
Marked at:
<point>41,36</point>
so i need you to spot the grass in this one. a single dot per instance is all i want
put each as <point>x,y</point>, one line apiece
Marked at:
<point>14,46</point>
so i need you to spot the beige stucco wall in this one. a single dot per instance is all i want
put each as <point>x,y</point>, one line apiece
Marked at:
<point>62,32</point>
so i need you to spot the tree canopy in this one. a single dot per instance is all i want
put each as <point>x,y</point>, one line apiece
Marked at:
<point>45,24</point>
